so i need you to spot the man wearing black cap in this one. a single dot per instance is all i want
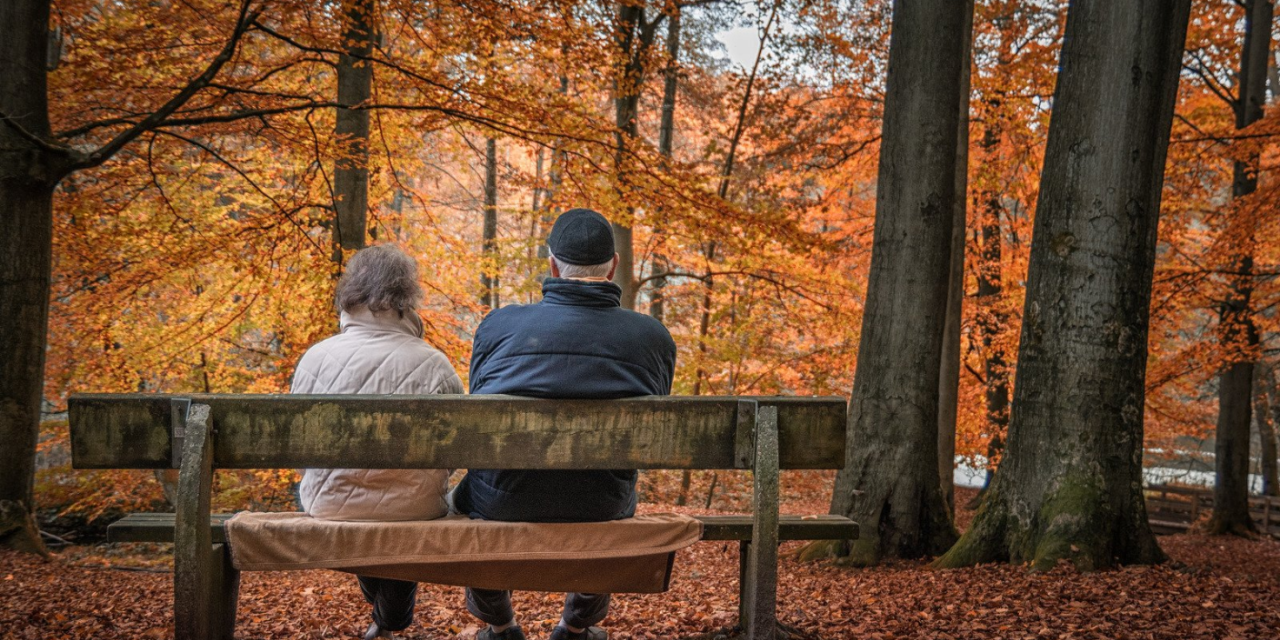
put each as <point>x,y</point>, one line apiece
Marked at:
<point>577,343</point>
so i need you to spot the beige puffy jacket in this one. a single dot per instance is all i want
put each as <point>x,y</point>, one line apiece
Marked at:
<point>377,353</point>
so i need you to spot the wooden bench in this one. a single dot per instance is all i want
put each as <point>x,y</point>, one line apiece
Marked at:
<point>199,433</point>
<point>1173,509</point>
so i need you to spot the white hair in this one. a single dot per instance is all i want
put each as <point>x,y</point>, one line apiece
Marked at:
<point>583,270</point>
<point>381,277</point>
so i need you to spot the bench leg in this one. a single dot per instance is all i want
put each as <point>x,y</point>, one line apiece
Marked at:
<point>744,610</point>
<point>226,590</point>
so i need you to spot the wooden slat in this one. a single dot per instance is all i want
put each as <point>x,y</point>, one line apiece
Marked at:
<point>158,527</point>
<point>111,431</point>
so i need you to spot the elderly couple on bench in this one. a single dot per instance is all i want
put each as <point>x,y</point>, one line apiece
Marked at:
<point>576,343</point>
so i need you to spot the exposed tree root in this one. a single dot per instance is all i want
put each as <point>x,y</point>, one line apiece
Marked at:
<point>18,529</point>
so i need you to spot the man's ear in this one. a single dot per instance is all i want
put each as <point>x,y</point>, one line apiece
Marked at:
<point>613,267</point>
<point>555,268</point>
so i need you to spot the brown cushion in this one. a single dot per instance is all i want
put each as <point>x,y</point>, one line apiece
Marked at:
<point>622,556</point>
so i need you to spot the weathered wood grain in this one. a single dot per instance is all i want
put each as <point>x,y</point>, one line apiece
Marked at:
<point>193,561</point>
<point>760,591</point>
<point>281,431</point>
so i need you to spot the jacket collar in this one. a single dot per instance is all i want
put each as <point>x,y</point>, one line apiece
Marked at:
<point>581,293</point>
<point>362,319</point>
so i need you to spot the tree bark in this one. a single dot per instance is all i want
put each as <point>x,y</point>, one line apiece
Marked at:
<point>28,174</point>
<point>949,374</point>
<point>355,86</point>
<point>1070,484</point>
<point>890,484</point>
<point>1266,430</point>
<point>489,241</point>
<point>1238,335</point>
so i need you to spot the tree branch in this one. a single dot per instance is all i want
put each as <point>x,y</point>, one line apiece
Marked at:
<point>106,151</point>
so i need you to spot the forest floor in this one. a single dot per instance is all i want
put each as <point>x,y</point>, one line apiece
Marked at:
<point>1215,588</point>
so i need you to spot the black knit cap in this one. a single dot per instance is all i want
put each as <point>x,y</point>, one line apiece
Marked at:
<point>582,237</point>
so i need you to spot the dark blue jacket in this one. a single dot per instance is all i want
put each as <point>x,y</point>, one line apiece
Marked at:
<point>576,343</point>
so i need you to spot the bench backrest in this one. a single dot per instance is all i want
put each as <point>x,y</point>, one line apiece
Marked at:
<point>144,431</point>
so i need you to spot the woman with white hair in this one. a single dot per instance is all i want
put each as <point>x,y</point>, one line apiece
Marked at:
<point>378,350</point>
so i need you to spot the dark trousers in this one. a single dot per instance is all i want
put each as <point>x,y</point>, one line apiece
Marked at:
<point>392,601</point>
<point>581,610</point>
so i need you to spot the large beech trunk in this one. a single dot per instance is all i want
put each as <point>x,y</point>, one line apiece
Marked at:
<point>890,483</point>
<point>1237,333</point>
<point>355,86</point>
<point>28,175</point>
<point>1070,484</point>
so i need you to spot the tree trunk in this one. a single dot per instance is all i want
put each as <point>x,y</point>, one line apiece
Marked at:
<point>949,374</point>
<point>355,86</point>
<point>666,135</point>
<point>890,484</point>
<point>991,319</point>
<point>1070,484</point>
<point>489,241</point>
<point>28,175</point>
<point>555,179</point>
<point>1270,440</point>
<point>1237,334</point>
<point>634,37</point>
<point>1266,430</point>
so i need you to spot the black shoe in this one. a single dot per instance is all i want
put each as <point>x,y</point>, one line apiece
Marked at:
<point>590,633</point>
<point>511,633</point>
<point>375,633</point>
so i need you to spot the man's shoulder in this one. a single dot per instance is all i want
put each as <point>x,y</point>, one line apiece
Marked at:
<point>504,316</point>
<point>644,323</point>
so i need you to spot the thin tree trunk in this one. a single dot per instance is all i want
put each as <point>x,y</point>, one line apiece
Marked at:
<point>634,38</point>
<point>1266,430</point>
<point>1237,334</point>
<point>355,86</point>
<point>1070,484</point>
<point>1271,440</point>
<point>890,483</point>
<point>666,135</point>
<point>726,173</point>
<point>991,319</point>
<point>949,374</point>
<point>489,241</point>
<point>555,178</point>
<point>27,179</point>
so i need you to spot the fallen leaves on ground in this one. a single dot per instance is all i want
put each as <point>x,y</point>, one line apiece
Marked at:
<point>1219,588</point>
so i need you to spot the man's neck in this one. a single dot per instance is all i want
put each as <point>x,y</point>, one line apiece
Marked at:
<point>589,279</point>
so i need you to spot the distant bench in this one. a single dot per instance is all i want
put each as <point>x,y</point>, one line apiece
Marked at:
<point>198,433</point>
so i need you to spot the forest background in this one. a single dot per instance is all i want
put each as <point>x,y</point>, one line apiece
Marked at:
<point>202,256</point>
